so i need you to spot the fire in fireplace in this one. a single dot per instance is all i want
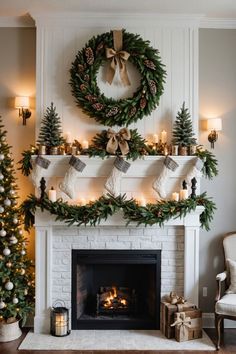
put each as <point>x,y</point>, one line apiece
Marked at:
<point>116,289</point>
<point>115,301</point>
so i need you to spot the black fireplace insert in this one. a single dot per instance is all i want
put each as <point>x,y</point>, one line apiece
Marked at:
<point>116,289</point>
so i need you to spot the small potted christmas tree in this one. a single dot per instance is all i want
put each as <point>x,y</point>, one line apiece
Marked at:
<point>183,134</point>
<point>16,277</point>
<point>50,134</point>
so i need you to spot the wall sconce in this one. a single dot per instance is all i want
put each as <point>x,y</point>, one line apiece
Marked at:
<point>22,103</point>
<point>214,125</point>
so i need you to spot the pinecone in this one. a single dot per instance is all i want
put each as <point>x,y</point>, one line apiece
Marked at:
<point>81,67</point>
<point>153,87</point>
<point>149,64</point>
<point>98,106</point>
<point>91,98</point>
<point>86,77</point>
<point>143,103</point>
<point>89,55</point>
<point>132,111</point>
<point>83,87</point>
<point>99,47</point>
<point>112,112</point>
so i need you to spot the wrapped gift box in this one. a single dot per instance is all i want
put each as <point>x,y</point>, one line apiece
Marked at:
<point>168,316</point>
<point>188,325</point>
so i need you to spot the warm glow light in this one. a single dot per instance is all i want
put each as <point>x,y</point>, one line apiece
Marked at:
<point>214,124</point>
<point>22,102</point>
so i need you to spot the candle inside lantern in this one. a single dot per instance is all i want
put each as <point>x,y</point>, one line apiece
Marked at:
<point>183,194</point>
<point>175,196</point>
<point>85,144</point>
<point>163,137</point>
<point>52,195</point>
<point>155,138</point>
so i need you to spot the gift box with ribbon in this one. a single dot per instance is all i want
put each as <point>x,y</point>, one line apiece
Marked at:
<point>188,325</point>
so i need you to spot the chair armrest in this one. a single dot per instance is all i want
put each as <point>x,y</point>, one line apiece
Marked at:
<point>219,279</point>
<point>221,276</point>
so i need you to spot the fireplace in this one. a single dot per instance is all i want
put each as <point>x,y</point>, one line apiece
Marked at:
<point>116,289</point>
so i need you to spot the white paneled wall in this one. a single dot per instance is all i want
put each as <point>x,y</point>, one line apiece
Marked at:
<point>59,38</point>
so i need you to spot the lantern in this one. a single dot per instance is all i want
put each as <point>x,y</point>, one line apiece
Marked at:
<point>59,321</point>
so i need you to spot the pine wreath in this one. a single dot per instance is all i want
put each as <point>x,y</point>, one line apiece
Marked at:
<point>109,111</point>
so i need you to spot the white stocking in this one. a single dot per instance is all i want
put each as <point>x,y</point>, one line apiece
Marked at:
<point>39,169</point>
<point>68,185</point>
<point>194,171</point>
<point>113,183</point>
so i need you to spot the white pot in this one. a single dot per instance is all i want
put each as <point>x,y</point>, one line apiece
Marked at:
<point>9,331</point>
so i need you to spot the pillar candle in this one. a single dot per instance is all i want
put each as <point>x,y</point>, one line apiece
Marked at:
<point>163,136</point>
<point>183,194</point>
<point>52,195</point>
<point>82,201</point>
<point>85,144</point>
<point>68,137</point>
<point>142,202</point>
<point>175,196</point>
<point>155,138</point>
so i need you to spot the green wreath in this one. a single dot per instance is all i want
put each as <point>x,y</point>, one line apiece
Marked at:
<point>108,111</point>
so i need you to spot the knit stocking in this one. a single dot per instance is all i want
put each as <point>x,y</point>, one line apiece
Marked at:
<point>39,169</point>
<point>113,183</point>
<point>194,171</point>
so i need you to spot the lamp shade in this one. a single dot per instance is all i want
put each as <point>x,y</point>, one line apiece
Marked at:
<point>22,102</point>
<point>214,124</point>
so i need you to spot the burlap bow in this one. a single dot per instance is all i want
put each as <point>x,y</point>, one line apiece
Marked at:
<point>118,140</point>
<point>118,58</point>
<point>182,323</point>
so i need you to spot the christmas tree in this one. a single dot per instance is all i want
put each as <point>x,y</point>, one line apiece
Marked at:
<point>16,277</point>
<point>183,134</point>
<point>50,132</point>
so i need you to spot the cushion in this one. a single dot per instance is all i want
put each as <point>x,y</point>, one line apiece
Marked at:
<point>226,305</point>
<point>232,269</point>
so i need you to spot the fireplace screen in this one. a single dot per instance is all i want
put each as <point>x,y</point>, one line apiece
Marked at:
<point>115,289</point>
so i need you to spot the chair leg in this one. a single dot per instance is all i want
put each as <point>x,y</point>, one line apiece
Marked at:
<point>222,326</point>
<point>218,320</point>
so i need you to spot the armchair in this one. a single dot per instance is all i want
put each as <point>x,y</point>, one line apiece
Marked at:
<point>225,306</point>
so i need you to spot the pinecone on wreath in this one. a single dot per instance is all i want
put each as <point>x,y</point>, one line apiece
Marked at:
<point>89,56</point>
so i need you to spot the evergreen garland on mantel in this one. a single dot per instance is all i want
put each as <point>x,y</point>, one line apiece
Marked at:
<point>92,213</point>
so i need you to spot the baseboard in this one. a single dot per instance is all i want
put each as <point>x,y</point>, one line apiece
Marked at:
<point>208,321</point>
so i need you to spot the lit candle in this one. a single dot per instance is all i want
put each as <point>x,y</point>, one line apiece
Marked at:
<point>82,202</point>
<point>183,194</point>
<point>163,136</point>
<point>52,195</point>
<point>60,326</point>
<point>155,138</point>
<point>175,196</point>
<point>85,144</point>
<point>68,137</point>
<point>142,202</point>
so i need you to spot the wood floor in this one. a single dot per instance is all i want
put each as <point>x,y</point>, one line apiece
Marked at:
<point>228,347</point>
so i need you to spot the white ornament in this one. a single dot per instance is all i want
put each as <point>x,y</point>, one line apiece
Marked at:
<point>13,240</point>
<point>2,305</point>
<point>7,202</point>
<point>12,192</point>
<point>2,189</point>
<point>1,210</point>
<point>3,232</point>
<point>9,285</point>
<point>6,251</point>
<point>15,300</point>
<point>23,252</point>
<point>1,176</point>
<point>15,221</point>
<point>2,157</point>
<point>22,272</point>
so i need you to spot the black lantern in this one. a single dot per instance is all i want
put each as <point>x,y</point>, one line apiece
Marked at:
<point>59,321</point>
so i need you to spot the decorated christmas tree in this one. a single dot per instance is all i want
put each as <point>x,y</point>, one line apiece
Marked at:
<point>50,132</point>
<point>16,277</point>
<point>183,134</point>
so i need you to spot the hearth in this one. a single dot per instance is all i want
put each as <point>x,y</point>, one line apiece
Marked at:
<point>116,289</point>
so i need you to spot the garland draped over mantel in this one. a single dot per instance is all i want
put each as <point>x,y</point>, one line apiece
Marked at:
<point>92,213</point>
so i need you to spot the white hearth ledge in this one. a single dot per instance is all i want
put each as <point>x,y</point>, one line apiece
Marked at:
<point>44,224</point>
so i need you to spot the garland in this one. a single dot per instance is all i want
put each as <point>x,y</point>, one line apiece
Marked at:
<point>209,169</point>
<point>101,209</point>
<point>109,111</point>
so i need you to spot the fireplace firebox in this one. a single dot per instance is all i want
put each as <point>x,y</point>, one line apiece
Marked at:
<point>116,289</point>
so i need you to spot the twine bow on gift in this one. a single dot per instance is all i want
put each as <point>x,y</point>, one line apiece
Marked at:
<point>118,58</point>
<point>118,140</point>
<point>182,323</point>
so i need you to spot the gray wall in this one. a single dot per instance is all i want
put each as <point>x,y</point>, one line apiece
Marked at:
<point>217,91</point>
<point>17,78</point>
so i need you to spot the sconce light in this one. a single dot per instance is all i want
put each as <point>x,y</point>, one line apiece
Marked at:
<point>22,103</point>
<point>214,125</point>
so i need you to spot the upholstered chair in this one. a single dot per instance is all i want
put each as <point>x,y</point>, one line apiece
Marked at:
<point>225,306</point>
